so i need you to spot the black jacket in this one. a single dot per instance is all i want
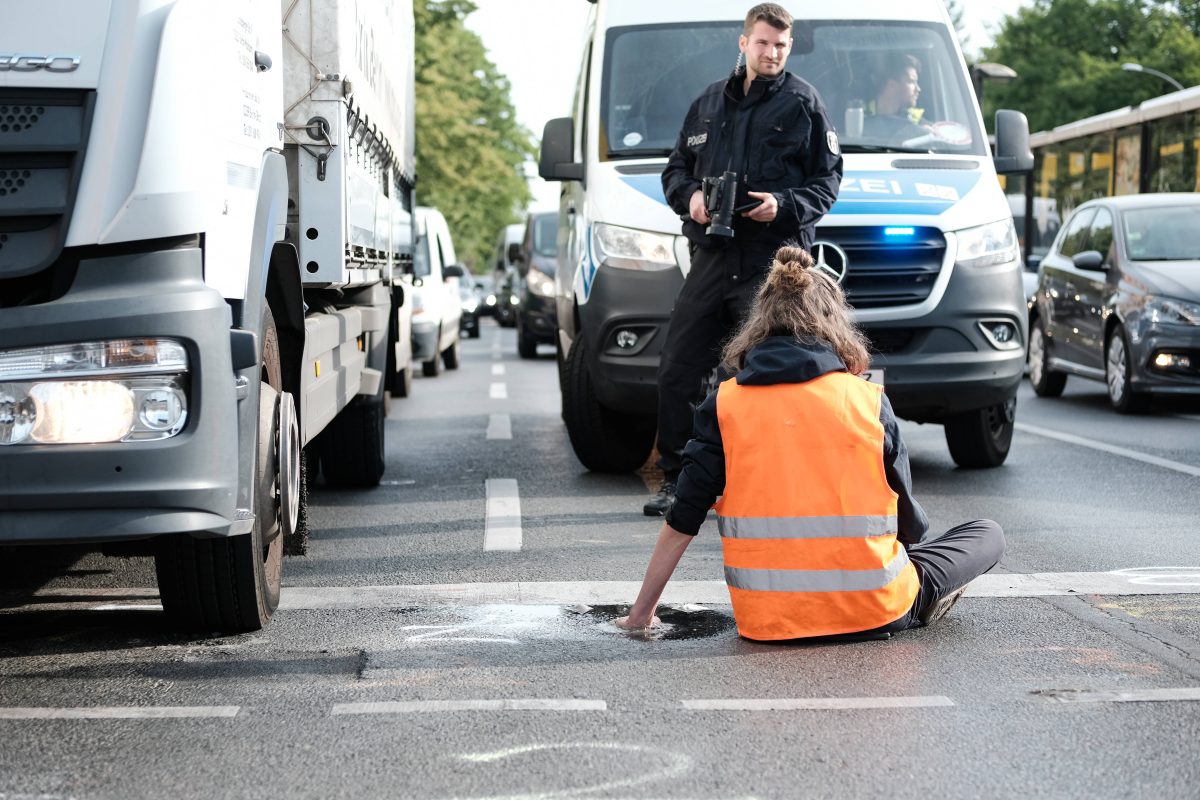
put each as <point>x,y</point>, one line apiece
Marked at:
<point>782,359</point>
<point>778,139</point>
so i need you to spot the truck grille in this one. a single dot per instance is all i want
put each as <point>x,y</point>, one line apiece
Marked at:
<point>43,135</point>
<point>888,270</point>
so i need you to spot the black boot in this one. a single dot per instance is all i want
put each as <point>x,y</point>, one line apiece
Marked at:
<point>660,501</point>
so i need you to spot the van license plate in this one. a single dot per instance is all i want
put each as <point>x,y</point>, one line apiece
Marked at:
<point>874,376</point>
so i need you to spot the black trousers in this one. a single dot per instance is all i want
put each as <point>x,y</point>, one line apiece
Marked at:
<point>718,292</point>
<point>949,562</point>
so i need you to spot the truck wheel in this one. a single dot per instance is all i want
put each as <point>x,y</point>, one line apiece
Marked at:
<point>231,585</point>
<point>526,344</point>
<point>981,438</point>
<point>1046,383</point>
<point>296,544</point>
<point>402,382</point>
<point>399,383</point>
<point>452,355</point>
<point>604,440</point>
<point>352,445</point>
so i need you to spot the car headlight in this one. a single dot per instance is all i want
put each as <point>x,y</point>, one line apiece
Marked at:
<point>987,245</point>
<point>116,391</point>
<point>626,248</point>
<point>540,283</point>
<point>1173,312</point>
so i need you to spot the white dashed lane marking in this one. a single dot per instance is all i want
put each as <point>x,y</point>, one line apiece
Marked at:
<point>498,391</point>
<point>503,526</point>
<point>499,426</point>
<point>497,369</point>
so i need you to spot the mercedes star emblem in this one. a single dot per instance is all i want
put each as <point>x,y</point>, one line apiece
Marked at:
<point>830,258</point>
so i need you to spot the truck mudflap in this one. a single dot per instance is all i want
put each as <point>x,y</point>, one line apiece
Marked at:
<point>131,490</point>
<point>638,304</point>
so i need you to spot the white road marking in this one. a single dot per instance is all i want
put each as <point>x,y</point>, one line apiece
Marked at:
<point>1186,469</point>
<point>497,369</point>
<point>502,529</point>
<point>499,426</point>
<point>1125,696</point>
<point>1119,583</point>
<point>440,706</point>
<point>498,391</point>
<point>815,703</point>
<point>121,712</point>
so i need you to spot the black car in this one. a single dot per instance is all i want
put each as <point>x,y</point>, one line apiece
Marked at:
<point>472,307</point>
<point>1118,300</point>
<point>537,262</point>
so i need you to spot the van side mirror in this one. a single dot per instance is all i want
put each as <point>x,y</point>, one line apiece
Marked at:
<point>557,160</point>
<point>454,271</point>
<point>1088,259</point>
<point>1012,143</point>
<point>514,253</point>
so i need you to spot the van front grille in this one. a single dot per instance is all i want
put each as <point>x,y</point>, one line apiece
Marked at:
<point>887,269</point>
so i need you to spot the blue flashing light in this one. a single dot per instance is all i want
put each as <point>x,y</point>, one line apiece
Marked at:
<point>899,231</point>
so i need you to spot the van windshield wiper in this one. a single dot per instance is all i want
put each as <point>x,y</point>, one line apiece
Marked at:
<point>882,148</point>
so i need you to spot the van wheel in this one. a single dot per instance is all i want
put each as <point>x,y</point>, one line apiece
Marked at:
<point>231,585</point>
<point>452,355</point>
<point>433,367</point>
<point>1046,383</point>
<point>981,438</point>
<point>352,445</point>
<point>1118,369</point>
<point>604,440</point>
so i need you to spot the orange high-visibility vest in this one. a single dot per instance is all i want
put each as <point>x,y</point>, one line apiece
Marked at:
<point>807,518</point>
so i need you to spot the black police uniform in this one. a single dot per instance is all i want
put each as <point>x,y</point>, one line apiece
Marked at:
<point>778,139</point>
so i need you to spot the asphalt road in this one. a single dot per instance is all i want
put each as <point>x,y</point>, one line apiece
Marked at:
<point>409,660</point>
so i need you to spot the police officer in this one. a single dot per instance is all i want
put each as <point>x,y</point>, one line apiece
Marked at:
<point>770,128</point>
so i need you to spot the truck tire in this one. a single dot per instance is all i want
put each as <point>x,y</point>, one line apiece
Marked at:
<point>399,383</point>
<point>452,355</point>
<point>296,544</point>
<point>231,585</point>
<point>352,446</point>
<point>981,438</point>
<point>604,440</point>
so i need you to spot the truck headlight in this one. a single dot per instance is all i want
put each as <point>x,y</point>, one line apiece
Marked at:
<point>1172,312</point>
<point>987,245</point>
<point>626,248</point>
<point>540,283</point>
<point>117,391</point>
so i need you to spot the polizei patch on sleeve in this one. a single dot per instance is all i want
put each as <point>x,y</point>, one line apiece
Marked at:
<point>831,140</point>
<point>697,139</point>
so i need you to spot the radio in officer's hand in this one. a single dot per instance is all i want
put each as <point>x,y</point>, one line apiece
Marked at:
<point>721,200</point>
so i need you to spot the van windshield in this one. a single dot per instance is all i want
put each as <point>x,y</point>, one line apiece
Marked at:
<point>653,73</point>
<point>545,234</point>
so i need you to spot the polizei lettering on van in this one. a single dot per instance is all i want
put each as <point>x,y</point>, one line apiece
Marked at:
<point>28,63</point>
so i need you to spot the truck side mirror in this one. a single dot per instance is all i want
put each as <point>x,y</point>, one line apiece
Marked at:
<point>454,271</point>
<point>1012,143</point>
<point>557,160</point>
<point>514,253</point>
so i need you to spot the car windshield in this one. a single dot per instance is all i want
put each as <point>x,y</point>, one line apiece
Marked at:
<point>652,74</point>
<point>545,234</point>
<point>1170,233</point>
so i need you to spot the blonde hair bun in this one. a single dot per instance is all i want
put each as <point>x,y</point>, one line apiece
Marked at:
<point>791,268</point>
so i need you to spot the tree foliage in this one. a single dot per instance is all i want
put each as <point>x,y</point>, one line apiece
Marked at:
<point>1068,54</point>
<point>470,147</point>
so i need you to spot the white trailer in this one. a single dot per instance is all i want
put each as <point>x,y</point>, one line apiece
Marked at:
<point>205,232</point>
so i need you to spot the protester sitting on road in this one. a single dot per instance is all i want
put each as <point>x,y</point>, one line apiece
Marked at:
<point>895,116</point>
<point>820,531</point>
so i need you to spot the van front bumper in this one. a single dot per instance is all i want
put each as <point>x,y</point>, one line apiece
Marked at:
<point>130,490</point>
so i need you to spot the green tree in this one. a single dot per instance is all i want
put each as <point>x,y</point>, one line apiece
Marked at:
<point>1068,54</point>
<point>470,148</point>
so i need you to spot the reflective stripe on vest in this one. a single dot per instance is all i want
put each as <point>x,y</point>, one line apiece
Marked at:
<point>807,518</point>
<point>816,580</point>
<point>806,527</point>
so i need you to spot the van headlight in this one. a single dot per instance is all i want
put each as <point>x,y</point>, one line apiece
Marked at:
<point>987,245</point>
<point>116,391</point>
<point>626,248</point>
<point>540,283</point>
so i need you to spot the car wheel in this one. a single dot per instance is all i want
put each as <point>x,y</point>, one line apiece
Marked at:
<point>1046,382</point>
<point>452,355</point>
<point>526,344</point>
<point>1118,370</point>
<point>981,438</point>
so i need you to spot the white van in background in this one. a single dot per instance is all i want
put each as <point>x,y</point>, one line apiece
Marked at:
<point>437,307</point>
<point>921,228</point>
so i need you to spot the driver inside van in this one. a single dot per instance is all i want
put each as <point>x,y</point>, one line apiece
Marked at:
<point>896,117</point>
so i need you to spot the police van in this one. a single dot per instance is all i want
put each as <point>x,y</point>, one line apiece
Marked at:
<point>921,232</point>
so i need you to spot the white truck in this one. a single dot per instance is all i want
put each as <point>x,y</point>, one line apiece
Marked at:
<point>205,224</point>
